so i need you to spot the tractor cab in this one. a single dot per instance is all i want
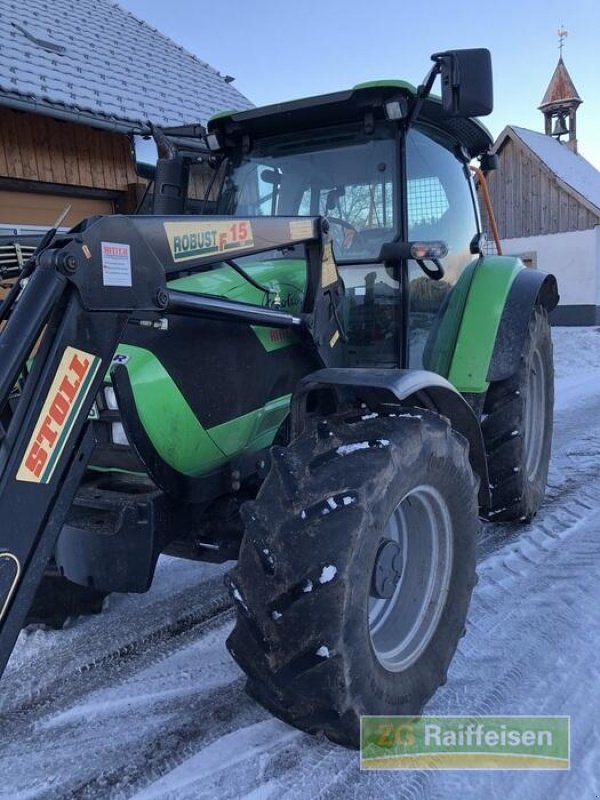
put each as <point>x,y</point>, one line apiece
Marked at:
<point>357,159</point>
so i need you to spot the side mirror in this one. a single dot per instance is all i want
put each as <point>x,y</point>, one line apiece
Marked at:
<point>145,154</point>
<point>467,88</point>
<point>417,251</point>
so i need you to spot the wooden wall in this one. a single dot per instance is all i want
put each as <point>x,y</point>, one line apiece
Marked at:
<point>38,148</point>
<point>41,209</point>
<point>528,200</point>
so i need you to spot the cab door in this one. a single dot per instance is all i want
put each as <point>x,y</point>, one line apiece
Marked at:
<point>440,205</point>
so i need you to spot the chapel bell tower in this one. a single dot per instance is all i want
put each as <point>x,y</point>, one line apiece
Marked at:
<point>560,103</point>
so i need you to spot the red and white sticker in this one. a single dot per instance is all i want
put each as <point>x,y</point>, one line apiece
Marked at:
<point>116,264</point>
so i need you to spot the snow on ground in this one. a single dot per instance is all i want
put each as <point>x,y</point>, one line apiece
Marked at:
<point>145,702</point>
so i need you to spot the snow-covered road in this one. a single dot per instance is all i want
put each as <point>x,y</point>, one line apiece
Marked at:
<point>144,701</point>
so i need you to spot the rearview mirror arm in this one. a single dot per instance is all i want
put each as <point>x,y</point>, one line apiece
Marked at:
<point>166,148</point>
<point>423,92</point>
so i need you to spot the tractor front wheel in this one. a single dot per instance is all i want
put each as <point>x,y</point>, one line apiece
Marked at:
<point>356,571</point>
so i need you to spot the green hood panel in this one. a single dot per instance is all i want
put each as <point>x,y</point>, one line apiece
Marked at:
<point>253,431</point>
<point>180,439</point>
<point>168,420</point>
<point>286,278</point>
<point>167,417</point>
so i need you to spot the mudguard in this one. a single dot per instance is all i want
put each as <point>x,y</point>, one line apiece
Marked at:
<point>501,296</point>
<point>418,388</point>
<point>530,288</point>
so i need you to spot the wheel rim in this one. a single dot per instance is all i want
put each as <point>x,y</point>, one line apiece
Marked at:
<point>535,416</point>
<point>402,625</point>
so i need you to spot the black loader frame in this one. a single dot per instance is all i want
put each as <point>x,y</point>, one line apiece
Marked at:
<point>66,305</point>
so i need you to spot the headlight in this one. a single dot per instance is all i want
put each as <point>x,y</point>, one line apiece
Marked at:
<point>110,398</point>
<point>118,434</point>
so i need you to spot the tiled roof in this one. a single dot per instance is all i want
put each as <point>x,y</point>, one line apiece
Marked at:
<point>569,167</point>
<point>93,61</point>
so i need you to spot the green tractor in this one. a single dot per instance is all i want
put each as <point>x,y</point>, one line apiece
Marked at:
<point>332,385</point>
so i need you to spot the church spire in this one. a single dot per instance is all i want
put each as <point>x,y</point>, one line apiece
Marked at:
<point>561,101</point>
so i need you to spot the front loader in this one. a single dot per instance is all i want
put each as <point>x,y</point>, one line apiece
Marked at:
<point>325,380</point>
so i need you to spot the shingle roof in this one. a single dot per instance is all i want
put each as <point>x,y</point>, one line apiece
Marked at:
<point>94,61</point>
<point>569,167</point>
<point>561,89</point>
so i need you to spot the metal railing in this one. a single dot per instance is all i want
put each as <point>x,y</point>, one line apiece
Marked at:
<point>14,254</point>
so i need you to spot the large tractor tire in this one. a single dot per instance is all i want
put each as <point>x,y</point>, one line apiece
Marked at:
<point>356,571</point>
<point>517,428</point>
<point>57,599</point>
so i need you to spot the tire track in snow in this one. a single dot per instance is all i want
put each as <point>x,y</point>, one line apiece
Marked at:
<point>530,630</point>
<point>195,722</point>
<point>133,648</point>
<point>131,732</point>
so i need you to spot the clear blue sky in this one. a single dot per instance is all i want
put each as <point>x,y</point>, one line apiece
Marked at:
<point>278,49</point>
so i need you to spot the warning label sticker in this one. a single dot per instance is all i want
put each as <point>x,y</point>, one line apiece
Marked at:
<point>116,264</point>
<point>301,229</point>
<point>329,273</point>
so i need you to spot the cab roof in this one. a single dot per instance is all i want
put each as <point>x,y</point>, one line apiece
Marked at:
<point>345,107</point>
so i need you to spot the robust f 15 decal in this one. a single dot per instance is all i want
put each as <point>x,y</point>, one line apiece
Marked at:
<point>190,240</point>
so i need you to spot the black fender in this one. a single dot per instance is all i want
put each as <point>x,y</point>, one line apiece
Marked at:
<point>530,288</point>
<point>328,390</point>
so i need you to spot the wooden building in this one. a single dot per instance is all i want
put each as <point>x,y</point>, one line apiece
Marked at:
<point>541,186</point>
<point>546,199</point>
<point>46,164</point>
<point>70,94</point>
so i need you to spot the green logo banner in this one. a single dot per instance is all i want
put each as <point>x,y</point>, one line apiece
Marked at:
<point>427,743</point>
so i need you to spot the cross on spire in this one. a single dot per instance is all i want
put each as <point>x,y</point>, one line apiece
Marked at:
<point>562,35</point>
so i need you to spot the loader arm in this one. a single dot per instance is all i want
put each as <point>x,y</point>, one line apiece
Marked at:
<point>71,312</point>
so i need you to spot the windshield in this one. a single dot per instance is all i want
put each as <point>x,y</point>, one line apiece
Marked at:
<point>346,176</point>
